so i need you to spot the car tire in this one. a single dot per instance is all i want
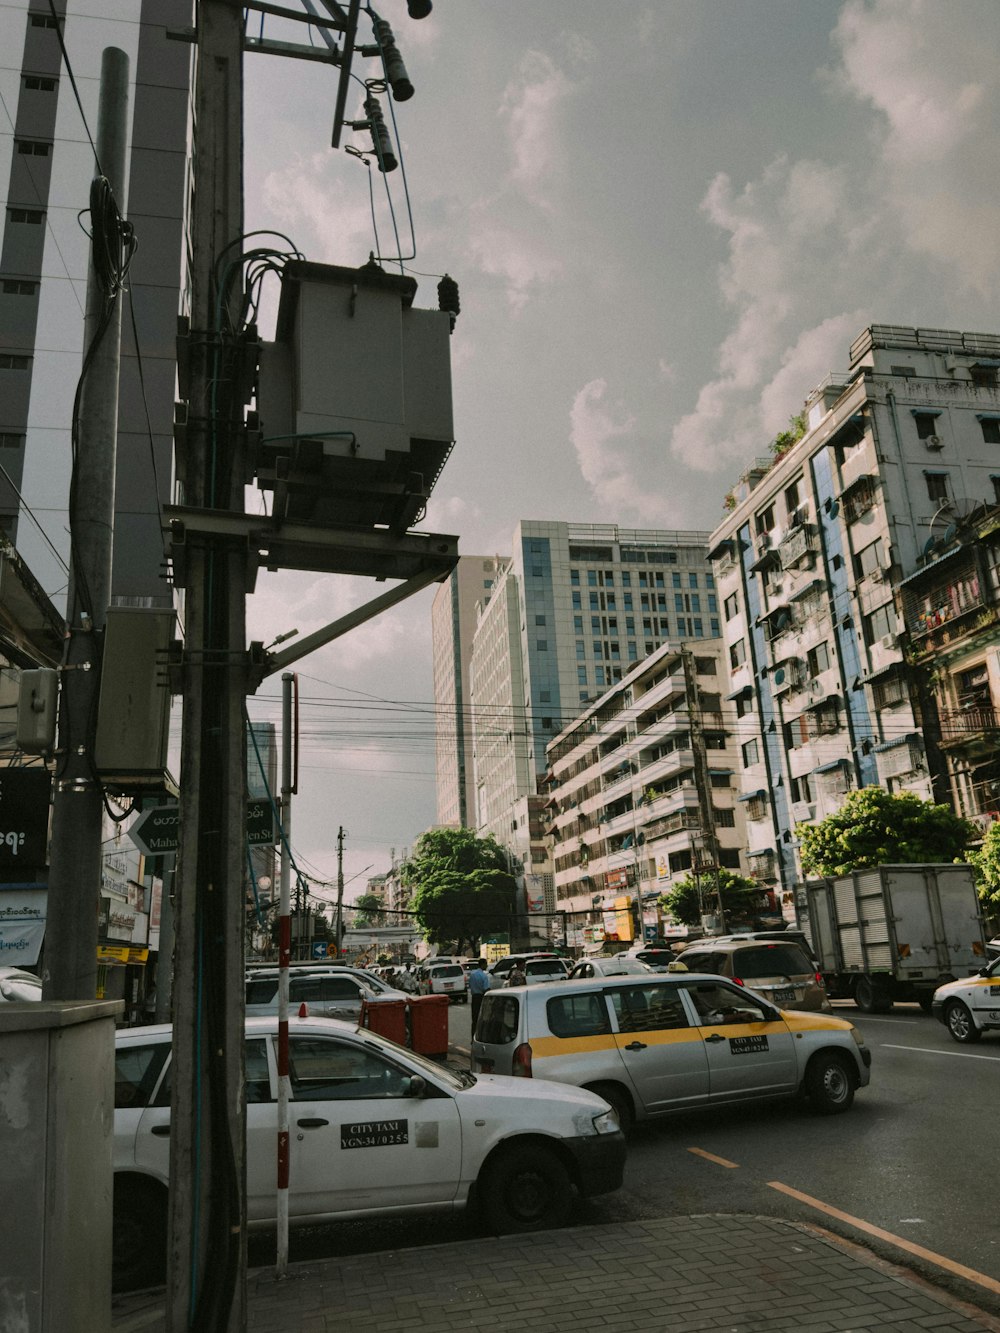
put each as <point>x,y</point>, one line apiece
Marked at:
<point>619,1101</point>
<point>525,1189</point>
<point>926,1000</point>
<point>959,1023</point>
<point>830,1083</point>
<point>871,998</point>
<point>139,1235</point>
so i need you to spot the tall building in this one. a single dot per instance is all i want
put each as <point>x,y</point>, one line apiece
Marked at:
<point>46,166</point>
<point>453,623</point>
<point>817,555</point>
<point>575,607</point>
<point>642,791</point>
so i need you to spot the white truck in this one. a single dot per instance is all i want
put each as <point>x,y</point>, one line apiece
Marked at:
<point>895,932</point>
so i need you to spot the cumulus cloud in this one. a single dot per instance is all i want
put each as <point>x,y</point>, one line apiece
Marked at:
<point>326,221</point>
<point>606,440</point>
<point>520,258</point>
<point>929,73</point>
<point>532,105</point>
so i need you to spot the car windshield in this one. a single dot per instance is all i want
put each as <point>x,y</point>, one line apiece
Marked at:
<point>543,967</point>
<point>454,971</point>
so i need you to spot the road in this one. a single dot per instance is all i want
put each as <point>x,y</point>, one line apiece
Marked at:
<point>913,1164</point>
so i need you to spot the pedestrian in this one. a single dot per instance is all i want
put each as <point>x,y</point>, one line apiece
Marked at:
<point>516,976</point>
<point>479,984</point>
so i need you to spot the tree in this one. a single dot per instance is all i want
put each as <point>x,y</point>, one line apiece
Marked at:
<point>875,827</point>
<point>987,863</point>
<point>741,898</point>
<point>370,910</point>
<point>462,886</point>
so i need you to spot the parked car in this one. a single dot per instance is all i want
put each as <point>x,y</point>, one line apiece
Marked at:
<point>658,1044</point>
<point>781,971</point>
<point>446,979</point>
<point>658,960</point>
<point>17,984</point>
<point>616,965</point>
<point>970,1007</point>
<point>420,1136</point>
<point>329,992</point>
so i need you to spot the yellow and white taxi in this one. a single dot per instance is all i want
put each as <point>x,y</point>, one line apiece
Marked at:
<point>970,1007</point>
<point>669,1042</point>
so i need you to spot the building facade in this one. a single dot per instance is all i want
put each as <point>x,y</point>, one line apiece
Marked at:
<point>643,789</point>
<point>46,167</point>
<point>894,452</point>
<point>453,624</point>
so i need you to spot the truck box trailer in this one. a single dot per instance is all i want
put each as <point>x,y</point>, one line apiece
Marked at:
<point>895,932</point>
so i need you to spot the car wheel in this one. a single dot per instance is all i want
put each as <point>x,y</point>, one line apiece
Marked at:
<point>138,1235</point>
<point>619,1101</point>
<point>960,1023</point>
<point>926,1000</point>
<point>870,998</point>
<point>525,1189</point>
<point>830,1083</point>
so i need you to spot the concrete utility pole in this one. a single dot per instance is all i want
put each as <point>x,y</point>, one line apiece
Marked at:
<point>206,1277</point>
<point>340,888</point>
<point>76,859</point>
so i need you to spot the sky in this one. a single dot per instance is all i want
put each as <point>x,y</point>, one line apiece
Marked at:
<point>668,221</point>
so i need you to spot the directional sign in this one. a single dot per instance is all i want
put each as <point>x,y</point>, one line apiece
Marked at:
<point>155,832</point>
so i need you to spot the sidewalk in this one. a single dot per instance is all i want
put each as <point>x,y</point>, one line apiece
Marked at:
<point>715,1274</point>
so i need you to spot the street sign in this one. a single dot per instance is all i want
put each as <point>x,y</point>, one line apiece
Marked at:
<point>319,949</point>
<point>155,832</point>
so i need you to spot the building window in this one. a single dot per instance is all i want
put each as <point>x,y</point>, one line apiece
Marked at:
<point>983,375</point>
<point>995,482</point>
<point>44,21</point>
<point>539,620</point>
<point>591,578</point>
<point>751,753</point>
<point>542,645</point>
<point>991,429</point>
<point>818,659</point>
<point>578,624</point>
<point>32,217</point>
<point>581,675</point>
<point>698,629</point>
<point>36,84</point>
<point>692,580</point>
<point>544,696</point>
<point>731,606</point>
<point>599,676</point>
<point>658,580</point>
<point>937,485</point>
<point>33,148</point>
<point>871,559</point>
<point>626,579</point>
<point>764,521</point>
<point>880,623</point>
<point>546,724</point>
<point>633,651</point>
<point>595,601</point>
<point>709,580</point>
<point>737,653</point>
<point>580,649</point>
<point>536,571</point>
<point>10,440</point>
<point>627,601</point>
<point>926,424</point>
<point>577,602</point>
<point>574,577</point>
<point>8,361</point>
<point>719,779</point>
<point>713,603</point>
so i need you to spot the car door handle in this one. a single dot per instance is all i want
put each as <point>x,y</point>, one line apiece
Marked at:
<point>636,1046</point>
<point>312,1123</point>
<point>162,1131</point>
<point>716,1036</point>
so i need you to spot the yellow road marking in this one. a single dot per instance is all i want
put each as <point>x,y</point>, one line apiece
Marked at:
<point>960,1270</point>
<point>711,1157</point>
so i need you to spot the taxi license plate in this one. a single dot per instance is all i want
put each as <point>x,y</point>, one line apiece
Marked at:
<point>786,994</point>
<point>449,985</point>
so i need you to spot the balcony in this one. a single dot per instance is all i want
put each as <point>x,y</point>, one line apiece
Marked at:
<point>970,728</point>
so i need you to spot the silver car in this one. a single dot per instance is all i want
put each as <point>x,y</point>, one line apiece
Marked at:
<point>327,992</point>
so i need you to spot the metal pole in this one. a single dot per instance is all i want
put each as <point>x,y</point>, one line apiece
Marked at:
<point>288,683</point>
<point>206,1252</point>
<point>340,887</point>
<point>75,859</point>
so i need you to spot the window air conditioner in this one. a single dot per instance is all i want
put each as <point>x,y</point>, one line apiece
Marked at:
<point>887,641</point>
<point>934,442</point>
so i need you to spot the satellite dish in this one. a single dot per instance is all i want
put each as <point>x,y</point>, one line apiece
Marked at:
<point>929,546</point>
<point>950,533</point>
<point>779,675</point>
<point>834,508</point>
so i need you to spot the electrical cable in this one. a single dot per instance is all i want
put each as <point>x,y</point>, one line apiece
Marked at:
<point>72,79</point>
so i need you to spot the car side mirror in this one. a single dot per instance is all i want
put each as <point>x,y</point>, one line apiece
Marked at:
<point>418,1086</point>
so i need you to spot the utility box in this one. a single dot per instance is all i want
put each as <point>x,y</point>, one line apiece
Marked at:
<point>133,718</point>
<point>56,1121</point>
<point>354,398</point>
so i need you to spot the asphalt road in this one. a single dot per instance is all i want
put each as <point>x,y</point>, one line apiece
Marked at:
<point>910,1172</point>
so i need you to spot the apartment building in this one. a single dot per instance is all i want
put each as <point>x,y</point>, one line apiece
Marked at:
<point>46,167</point>
<point>453,623</point>
<point>643,787</point>
<point>895,451</point>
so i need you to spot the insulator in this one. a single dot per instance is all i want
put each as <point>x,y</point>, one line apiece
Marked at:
<point>395,70</point>
<point>380,135</point>
<point>448,295</point>
<point>419,9</point>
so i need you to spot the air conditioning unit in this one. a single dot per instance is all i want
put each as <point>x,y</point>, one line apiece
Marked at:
<point>934,442</point>
<point>878,575</point>
<point>761,543</point>
<point>802,811</point>
<point>887,641</point>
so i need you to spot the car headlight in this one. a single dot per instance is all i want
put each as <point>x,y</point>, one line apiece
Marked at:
<point>857,1036</point>
<point>606,1123</point>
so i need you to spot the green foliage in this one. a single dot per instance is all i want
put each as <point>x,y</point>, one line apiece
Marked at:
<point>785,439</point>
<point>987,863</point>
<point>369,911</point>
<point>462,886</point>
<point>874,827</point>
<point>741,898</point>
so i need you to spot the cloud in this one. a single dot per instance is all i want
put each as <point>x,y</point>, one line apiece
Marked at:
<point>531,105</point>
<point>328,222</point>
<point>608,446</point>
<point>929,73</point>
<point>518,257</point>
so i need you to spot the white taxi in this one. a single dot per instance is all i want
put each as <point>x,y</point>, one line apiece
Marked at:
<point>970,1007</point>
<point>375,1129</point>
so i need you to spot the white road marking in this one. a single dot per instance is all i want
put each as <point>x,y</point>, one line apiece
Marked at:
<point>900,1022</point>
<point>926,1050</point>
